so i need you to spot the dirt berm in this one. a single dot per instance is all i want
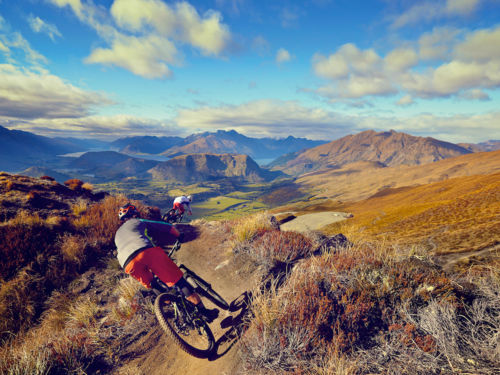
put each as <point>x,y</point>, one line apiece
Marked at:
<point>207,251</point>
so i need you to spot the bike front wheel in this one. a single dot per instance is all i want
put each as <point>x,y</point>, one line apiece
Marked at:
<point>188,329</point>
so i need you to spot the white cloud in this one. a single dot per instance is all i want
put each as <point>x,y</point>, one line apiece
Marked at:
<point>289,16</point>
<point>150,24</point>
<point>401,59</point>
<point>273,118</point>
<point>472,64</point>
<point>348,59</point>
<point>144,56</point>
<point>482,45</point>
<point>475,94</point>
<point>433,10</point>
<point>40,26</point>
<point>332,67</point>
<point>461,7</point>
<point>458,128</point>
<point>437,44</point>
<point>102,127</point>
<point>28,94</point>
<point>354,73</point>
<point>265,118</point>
<point>282,56</point>
<point>405,101</point>
<point>14,42</point>
<point>75,5</point>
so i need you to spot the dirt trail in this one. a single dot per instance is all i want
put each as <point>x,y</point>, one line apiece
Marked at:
<point>207,252</point>
<point>448,261</point>
<point>313,221</point>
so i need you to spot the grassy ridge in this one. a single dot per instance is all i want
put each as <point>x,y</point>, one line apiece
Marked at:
<point>366,307</point>
<point>455,215</point>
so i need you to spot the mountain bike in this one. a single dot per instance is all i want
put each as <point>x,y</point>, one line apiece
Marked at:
<point>172,216</point>
<point>181,319</point>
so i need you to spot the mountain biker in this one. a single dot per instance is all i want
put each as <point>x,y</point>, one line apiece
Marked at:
<point>183,203</point>
<point>139,255</point>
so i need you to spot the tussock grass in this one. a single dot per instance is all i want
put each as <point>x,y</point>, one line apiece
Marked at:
<point>374,308</point>
<point>79,207</point>
<point>73,248</point>
<point>273,249</point>
<point>24,217</point>
<point>127,304</point>
<point>38,256</point>
<point>82,313</point>
<point>247,228</point>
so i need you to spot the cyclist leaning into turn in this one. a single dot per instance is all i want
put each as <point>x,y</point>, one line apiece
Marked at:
<point>183,203</point>
<point>139,255</point>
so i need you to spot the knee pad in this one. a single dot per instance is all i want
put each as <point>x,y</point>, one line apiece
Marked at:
<point>184,287</point>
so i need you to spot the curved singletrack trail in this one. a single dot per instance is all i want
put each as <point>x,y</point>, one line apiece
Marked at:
<point>207,251</point>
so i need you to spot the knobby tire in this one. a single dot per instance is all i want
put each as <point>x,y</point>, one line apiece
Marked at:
<point>166,318</point>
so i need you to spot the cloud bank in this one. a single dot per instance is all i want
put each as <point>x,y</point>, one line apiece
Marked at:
<point>145,36</point>
<point>472,65</point>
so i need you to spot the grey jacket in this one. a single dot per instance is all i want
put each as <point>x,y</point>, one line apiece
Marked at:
<point>139,234</point>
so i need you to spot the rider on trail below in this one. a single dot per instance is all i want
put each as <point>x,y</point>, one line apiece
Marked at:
<point>141,257</point>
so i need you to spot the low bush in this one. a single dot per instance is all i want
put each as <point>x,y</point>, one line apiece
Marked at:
<point>87,186</point>
<point>378,311</point>
<point>74,184</point>
<point>274,248</point>
<point>246,229</point>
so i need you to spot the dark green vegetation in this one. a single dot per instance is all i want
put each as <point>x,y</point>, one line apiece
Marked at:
<point>221,199</point>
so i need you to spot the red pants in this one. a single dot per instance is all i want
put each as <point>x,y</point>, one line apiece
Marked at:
<point>179,207</point>
<point>153,261</point>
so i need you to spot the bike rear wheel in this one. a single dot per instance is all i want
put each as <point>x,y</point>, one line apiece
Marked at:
<point>205,289</point>
<point>189,331</point>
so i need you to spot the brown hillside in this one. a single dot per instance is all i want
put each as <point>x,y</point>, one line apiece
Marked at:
<point>361,180</point>
<point>42,196</point>
<point>390,148</point>
<point>457,215</point>
<point>203,167</point>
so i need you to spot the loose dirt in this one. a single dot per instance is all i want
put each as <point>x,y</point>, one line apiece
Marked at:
<point>313,221</point>
<point>449,261</point>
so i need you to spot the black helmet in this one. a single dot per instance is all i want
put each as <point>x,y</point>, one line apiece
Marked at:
<point>127,211</point>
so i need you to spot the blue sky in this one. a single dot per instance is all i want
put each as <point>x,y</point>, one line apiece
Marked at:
<point>319,69</point>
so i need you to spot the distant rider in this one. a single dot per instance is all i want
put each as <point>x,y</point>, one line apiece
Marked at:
<point>183,203</point>
<point>141,257</point>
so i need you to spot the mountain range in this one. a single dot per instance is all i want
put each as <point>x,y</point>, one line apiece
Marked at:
<point>23,150</point>
<point>387,148</point>
<point>233,142</point>
<point>220,154</point>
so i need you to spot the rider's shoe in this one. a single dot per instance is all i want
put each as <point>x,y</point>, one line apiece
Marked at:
<point>209,314</point>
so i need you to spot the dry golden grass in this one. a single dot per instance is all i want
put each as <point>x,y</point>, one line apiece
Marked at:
<point>79,207</point>
<point>73,248</point>
<point>358,181</point>
<point>373,308</point>
<point>246,228</point>
<point>127,304</point>
<point>458,214</point>
<point>24,217</point>
<point>87,186</point>
<point>83,312</point>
